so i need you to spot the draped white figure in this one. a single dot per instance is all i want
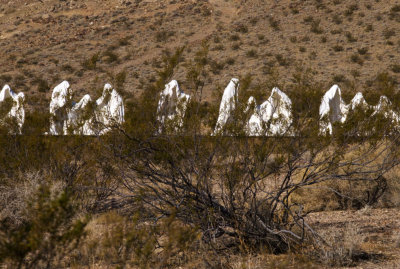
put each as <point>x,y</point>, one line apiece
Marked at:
<point>358,101</point>
<point>85,117</point>
<point>172,107</point>
<point>273,117</point>
<point>81,117</point>
<point>227,106</point>
<point>276,113</point>
<point>384,107</point>
<point>60,107</point>
<point>12,106</point>
<point>109,110</point>
<point>332,109</point>
<point>254,124</point>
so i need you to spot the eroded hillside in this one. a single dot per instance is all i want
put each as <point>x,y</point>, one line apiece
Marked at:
<point>90,42</point>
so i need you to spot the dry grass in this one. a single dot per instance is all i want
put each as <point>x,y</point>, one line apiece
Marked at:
<point>17,191</point>
<point>107,235</point>
<point>366,238</point>
<point>349,194</point>
<point>369,241</point>
<point>344,245</point>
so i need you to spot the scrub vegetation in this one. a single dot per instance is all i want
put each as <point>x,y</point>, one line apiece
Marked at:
<point>140,198</point>
<point>137,198</point>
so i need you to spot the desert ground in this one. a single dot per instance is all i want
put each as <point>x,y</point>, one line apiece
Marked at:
<point>91,42</point>
<point>351,43</point>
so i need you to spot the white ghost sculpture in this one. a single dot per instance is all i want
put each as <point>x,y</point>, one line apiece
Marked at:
<point>384,106</point>
<point>358,101</point>
<point>172,106</point>
<point>109,109</point>
<point>60,107</point>
<point>273,117</point>
<point>251,104</point>
<point>227,106</point>
<point>358,126</point>
<point>17,111</point>
<point>332,109</point>
<point>254,125</point>
<point>81,117</point>
<point>276,113</point>
<point>85,117</point>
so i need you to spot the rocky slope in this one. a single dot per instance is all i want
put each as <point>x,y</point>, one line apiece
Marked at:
<point>91,42</point>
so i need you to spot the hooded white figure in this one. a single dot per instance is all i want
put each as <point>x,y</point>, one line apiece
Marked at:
<point>254,125</point>
<point>273,117</point>
<point>227,106</point>
<point>384,107</point>
<point>81,116</point>
<point>16,111</point>
<point>358,101</point>
<point>109,109</point>
<point>276,113</point>
<point>60,106</point>
<point>332,109</point>
<point>172,106</point>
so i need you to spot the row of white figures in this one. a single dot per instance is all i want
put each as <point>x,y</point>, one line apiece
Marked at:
<point>274,116</point>
<point>276,111</point>
<point>85,117</point>
<point>333,109</point>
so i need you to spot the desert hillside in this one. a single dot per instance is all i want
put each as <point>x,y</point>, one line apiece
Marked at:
<point>90,42</point>
<point>127,178</point>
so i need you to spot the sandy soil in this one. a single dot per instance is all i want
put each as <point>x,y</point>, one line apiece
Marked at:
<point>377,233</point>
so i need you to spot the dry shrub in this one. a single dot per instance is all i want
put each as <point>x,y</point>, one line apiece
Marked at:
<point>315,198</point>
<point>396,240</point>
<point>391,198</point>
<point>17,191</point>
<point>260,260</point>
<point>50,229</point>
<point>105,243</point>
<point>353,192</point>
<point>340,195</point>
<point>271,261</point>
<point>114,239</point>
<point>343,246</point>
<point>382,191</point>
